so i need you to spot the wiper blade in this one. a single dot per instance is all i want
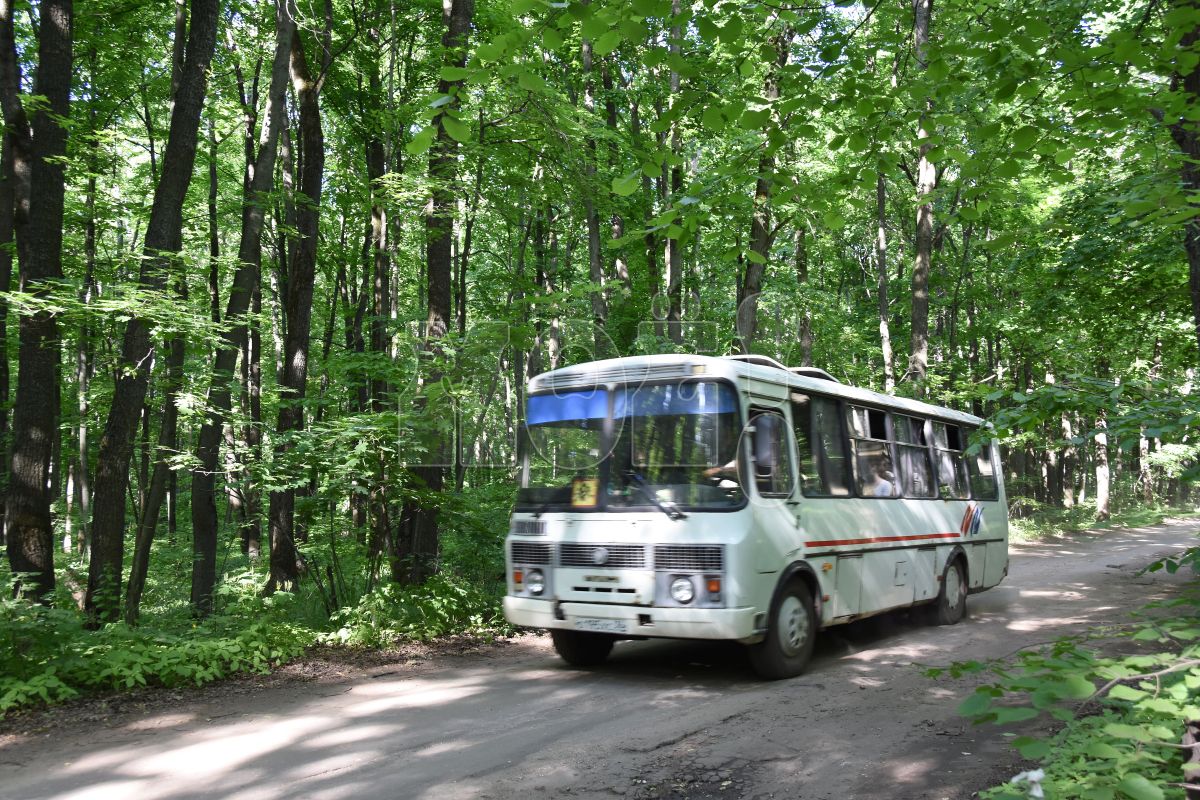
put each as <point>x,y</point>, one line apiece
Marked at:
<point>668,508</point>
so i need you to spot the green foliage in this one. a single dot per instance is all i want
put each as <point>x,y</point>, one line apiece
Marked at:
<point>46,655</point>
<point>393,613</point>
<point>1122,716</point>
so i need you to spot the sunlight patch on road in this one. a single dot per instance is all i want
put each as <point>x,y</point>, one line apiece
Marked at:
<point>349,735</point>
<point>442,748</point>
<point>1041,623</point>
<point>413,697</point>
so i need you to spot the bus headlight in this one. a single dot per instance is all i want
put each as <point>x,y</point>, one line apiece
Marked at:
<point>682,591</point>
<point>535,581</point>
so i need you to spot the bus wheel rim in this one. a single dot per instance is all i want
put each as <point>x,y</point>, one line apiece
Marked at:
<point>793,625</point>
<point>953,587</point>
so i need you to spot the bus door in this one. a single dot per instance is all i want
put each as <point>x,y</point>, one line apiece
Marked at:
<point>771,469</point>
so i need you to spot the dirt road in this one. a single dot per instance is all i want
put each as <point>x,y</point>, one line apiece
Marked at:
<point>660,720</point>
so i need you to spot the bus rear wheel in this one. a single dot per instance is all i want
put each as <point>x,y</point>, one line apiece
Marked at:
<point>581,649</point>
<point>791,634</point>
<point>951,604</point>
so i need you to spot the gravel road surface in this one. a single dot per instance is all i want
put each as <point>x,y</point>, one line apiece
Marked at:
<point>659,720</point>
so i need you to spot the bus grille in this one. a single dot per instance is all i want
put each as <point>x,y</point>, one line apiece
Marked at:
<point>530,553</point>
<point>689,558</point>
<point>615,556</point>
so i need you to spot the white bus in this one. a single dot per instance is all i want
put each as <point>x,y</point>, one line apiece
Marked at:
<point>735,498</point>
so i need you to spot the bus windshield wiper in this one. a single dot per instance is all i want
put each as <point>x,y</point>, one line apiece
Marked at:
<point>668,508</point>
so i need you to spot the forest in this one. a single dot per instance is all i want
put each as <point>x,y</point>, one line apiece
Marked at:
<point>273,277</point>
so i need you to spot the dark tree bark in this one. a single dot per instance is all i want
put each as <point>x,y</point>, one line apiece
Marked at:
<point>1186,133</point>
<point>673,255</point>
<point>164,238</point>
<point>7,198</point>
<point>918,361</point>
<point>258,181</point>
<point>38,149</point>
<point>285,558</point>
<point>595,263</point>
<point>881,273</point>
<point>805,333</point>
<point>760,219</point>
<point>415,549</point>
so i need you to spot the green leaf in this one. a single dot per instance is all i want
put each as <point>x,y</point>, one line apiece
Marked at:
<point>713,119</point>
<point>531,82</point>
<point>421,142</point>
<point>522,7</point>
<point>1119,730</point>
<point>755,258</point>
<point>459,131</point>
<point>455,73</point>
<point>1024,137</point>
<point>753,120</point>
<point>1102,750</point>
<point>1123,692</point>
<point>1139,788</point>
<point>607,43</point>
<point>1007,715</point>
<point>976,704</point>
<point>833,220</point>
<point>1033,749</point>
<point>626,185</point>
<point>1077,687</point>
<point>552,39</point>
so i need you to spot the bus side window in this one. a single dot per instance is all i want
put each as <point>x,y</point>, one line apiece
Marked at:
<point>820,445</point>
<point>983,475</point>
<point>772,455</point>
<point>951,466</point>
<point>874,472</point>
<point>916,473</point>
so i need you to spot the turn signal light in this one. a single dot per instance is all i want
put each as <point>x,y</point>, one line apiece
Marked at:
<point>714,586</point>
<point>518,576</point>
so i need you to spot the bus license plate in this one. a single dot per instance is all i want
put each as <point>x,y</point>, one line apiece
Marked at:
<point>601,625</point>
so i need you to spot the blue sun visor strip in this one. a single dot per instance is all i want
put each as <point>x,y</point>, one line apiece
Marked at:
<point>546,409</point>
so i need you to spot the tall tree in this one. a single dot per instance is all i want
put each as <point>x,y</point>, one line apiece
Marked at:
<point>163,240</point>
<point>38,148</point>
<point>918,361</point>
<point>293,379</point>
<point>414,556</point>
<point>257,182</point>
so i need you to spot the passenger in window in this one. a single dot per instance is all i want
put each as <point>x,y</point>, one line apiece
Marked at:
<point>883,481</point>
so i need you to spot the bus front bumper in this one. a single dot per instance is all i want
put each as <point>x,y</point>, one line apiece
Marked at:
<point>635,621</point>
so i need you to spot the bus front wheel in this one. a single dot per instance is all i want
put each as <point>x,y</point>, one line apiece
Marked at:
<point>792,631</point>
<point>580,649</point>
<point>951,604</point>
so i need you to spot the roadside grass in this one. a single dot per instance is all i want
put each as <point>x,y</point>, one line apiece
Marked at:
<point>1121,719</point>
<point>1031,522</point>
<point>345,599</point>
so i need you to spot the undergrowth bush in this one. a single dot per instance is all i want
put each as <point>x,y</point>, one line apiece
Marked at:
<point>441,606</point>
<point>46,654</point>
<point>1123,717</point>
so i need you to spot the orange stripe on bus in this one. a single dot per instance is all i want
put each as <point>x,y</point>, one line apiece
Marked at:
<point>882,539</point>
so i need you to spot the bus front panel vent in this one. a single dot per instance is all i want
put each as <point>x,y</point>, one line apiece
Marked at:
<point>531,553</point>
<point>689,558</point>
<point>612,556</point>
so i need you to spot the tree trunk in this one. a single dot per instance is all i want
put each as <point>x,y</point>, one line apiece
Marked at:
<point>673,256</point>
<point>414,553</point>
<point>38,152</point>
<point>258,182</point>
<point>760,219</point>
<point>881,273</point>
<point>926,178</point>
<point>164,237</point>
<point>7,198</point>
<point>1102,469</point>
<point>1186,133</point>
<point>590,191</point>
<point>285,558</point>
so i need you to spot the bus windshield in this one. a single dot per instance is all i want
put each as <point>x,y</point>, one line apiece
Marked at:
<point>672,443</point>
